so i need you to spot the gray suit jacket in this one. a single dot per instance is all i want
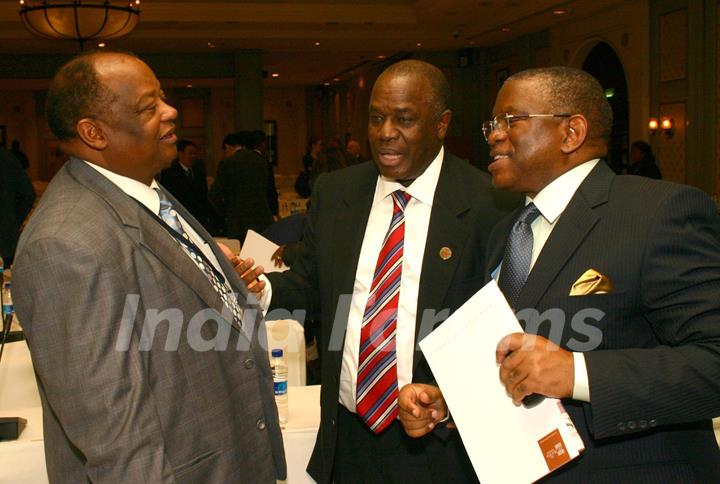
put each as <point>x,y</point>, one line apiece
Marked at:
<point>141,378</point>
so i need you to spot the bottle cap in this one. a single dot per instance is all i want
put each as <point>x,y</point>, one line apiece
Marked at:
<point>276,353</point>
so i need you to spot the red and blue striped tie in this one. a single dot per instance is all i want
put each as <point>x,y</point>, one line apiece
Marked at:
<point>377,385</point>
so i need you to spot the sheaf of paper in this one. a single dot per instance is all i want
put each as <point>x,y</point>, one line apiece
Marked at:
<point>261,250</point>
<point>500,438</point>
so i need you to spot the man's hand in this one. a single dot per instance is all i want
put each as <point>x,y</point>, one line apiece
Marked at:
<point>277,256</point>
<point>421,408</point>
<point>532,364</point>
<point>244,267</point>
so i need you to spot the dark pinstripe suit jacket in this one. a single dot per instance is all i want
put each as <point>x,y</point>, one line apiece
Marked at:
<point>655,373</point>
<point>465,208</point>
<point>92,265</point>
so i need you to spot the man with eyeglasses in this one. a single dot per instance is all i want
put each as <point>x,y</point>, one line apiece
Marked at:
<point>634,266</point>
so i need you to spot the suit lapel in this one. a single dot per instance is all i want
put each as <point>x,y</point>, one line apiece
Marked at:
<point>151,234</point>
<point>497,243</point>
<point>447,229</point>
<point>572,227</point>
<point>349,231</point>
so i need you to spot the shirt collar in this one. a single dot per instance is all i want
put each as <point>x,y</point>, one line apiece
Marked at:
<point>555,197</point>
<point>421,189</point>
<point>137,190</point>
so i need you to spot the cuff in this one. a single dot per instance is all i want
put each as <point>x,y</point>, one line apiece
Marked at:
<point>581,388</point>
<point>265,296</point>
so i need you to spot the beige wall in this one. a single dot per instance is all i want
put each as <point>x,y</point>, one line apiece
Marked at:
<point>287,107</point>
<point>626,29</point>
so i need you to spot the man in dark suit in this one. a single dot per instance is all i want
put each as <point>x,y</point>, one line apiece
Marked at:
<point>185,180</point>
<point>16,199</point>
<point>634,265</point>
<point>150,360</point>
<point>241,192</point>
<point>448,213</point>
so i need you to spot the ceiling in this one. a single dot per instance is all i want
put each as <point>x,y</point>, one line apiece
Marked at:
<point>311,42</point>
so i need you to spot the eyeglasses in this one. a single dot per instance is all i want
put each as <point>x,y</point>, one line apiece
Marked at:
<point>502,122</point>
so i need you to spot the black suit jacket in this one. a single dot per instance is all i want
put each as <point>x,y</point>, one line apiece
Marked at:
<point>653,359</point>
<point>16,199</point>
<point>241,193</point>
<point>191,192</point>
<point>463,213</point>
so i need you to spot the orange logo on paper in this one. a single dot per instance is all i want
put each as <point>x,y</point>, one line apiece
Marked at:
<point>553,449</point>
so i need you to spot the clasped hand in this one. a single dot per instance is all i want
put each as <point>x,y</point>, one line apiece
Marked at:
<point>533,364</point>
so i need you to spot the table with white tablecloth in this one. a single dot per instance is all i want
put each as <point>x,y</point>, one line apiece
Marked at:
<point>23,460</point>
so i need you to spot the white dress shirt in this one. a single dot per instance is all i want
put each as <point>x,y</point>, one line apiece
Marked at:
<point>150,199</point>
<point>417,220</point>
<point>552,201</point>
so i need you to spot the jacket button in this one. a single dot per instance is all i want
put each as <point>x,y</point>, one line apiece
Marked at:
<point>260,424</point>
<point>631,425</point>
<point>621,427</point>
<point>332,421</point>
<point>249,363</point>
<point>652,423</point>
<point>643,424</point>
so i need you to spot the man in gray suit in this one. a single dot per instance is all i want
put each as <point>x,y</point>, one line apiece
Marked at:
<point>150,358</point>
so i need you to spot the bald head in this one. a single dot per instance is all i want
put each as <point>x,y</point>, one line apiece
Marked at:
<point>76,92</point>
<point>439,89</point>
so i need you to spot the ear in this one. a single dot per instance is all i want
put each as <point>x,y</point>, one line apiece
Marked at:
<point>443,122</point>
<point>91,133</point>
<point>576,129</point>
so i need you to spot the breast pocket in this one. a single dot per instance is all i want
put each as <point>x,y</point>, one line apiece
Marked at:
<point>593,319</point>
<point>577,323</point>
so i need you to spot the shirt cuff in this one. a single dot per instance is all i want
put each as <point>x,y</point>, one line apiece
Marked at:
<point>265,296</point>
<point>581,388</point>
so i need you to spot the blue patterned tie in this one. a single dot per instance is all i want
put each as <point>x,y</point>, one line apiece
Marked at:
<point>169,216</point>
<point>518,254</point>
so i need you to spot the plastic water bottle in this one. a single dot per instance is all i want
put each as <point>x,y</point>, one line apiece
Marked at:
<point>7,302</point>
<point>280,382</point>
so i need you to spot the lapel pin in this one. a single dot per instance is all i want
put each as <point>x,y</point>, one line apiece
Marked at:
<point>445,253</point>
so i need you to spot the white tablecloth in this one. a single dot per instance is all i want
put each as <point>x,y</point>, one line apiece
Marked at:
<point>23,460</point>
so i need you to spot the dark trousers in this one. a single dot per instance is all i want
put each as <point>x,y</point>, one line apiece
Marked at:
<point>391,457</point>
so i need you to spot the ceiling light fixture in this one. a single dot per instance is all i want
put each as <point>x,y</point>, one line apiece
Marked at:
<point>79,20</point>
<point>559,11</point>
<point>275,74</point>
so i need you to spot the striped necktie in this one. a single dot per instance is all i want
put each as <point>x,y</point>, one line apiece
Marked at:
<point>216,279</point>
<point>377,385</point>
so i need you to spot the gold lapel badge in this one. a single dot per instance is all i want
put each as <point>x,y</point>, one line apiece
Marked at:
<point>591,282</point>
<point>445,253</point>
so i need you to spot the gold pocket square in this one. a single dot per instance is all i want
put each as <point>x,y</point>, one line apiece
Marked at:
<point>591,282</point>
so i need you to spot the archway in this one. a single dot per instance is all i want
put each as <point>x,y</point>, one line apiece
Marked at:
<point>604,64</point>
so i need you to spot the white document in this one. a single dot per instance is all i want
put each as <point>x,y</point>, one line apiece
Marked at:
<point>261,250</point>
<point>506,444</point>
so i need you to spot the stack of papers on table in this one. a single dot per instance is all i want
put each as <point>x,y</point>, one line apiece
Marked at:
<point>506,444</point>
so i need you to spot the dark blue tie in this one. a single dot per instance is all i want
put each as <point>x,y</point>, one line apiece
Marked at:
<point>518,254</point>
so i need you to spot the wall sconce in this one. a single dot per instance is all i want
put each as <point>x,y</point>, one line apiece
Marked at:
<point>667,126</point>
<point>653,125</point>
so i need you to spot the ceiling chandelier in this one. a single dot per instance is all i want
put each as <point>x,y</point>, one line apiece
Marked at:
<point>80,20</point>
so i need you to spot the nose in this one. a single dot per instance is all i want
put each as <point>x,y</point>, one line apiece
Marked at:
<point>169,112</point>
<point>495,136</point>
<point>387,129</point>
